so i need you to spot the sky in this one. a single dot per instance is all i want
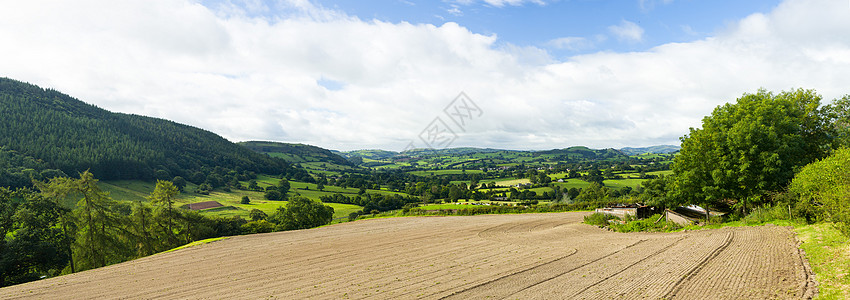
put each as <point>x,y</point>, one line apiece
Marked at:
<point>399,74</point>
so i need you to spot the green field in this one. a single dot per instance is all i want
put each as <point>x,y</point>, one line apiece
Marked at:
<point>634,183</point>
<point>512,182</point>
<point>137,190</point>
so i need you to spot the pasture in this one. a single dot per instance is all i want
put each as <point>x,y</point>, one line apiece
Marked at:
<point>138,190</point>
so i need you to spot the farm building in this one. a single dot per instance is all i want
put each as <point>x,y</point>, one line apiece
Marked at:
<point>639,211</point>
<point>204,205</point>
<point>678,218</point>
<point>689,214</point>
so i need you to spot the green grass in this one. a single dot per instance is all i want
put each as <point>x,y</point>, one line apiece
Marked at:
<point>512,182</point>
<point>540,190</point>
<point>195,243</point>
<point>828,253</point>
<point>137,190</point>
<point>634,183</point>
<point>659,173</point>
<point>572,183</point>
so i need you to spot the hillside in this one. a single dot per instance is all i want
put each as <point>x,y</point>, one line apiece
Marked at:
<point>42,129</point>
<point>660,149</point>
<point>581,152</point>
<point>296,153</point>
<point>449,151</point>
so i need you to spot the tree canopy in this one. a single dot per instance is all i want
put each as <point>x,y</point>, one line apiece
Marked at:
<point>751,147</point>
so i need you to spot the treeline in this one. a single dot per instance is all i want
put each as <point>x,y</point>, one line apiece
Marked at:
<point>51,130</point>
<point>372,202</point>
<point>45,237</point>
<point>513,209</point>
<point>18,170</point>
<point>765,152</point>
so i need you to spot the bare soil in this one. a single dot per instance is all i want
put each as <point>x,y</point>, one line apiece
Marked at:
<point>527,256</point>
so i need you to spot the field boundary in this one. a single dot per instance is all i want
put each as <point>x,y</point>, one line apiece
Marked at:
<point>810,287</point>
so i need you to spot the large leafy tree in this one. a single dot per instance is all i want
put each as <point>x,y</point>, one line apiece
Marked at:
<point>33,244</point>
<point>753,146</point>
<point>302,213</point>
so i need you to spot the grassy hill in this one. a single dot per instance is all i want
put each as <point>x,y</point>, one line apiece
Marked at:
<point>43,130</point>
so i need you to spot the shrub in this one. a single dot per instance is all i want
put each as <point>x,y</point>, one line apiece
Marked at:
<point>653,223</point>
<point>767,213</point>
<point>823,188</point>
<point>599,219</point>
<point>259,226</point>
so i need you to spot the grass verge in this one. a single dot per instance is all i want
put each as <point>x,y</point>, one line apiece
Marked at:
<point>195,243</point>
<point>828,253</point>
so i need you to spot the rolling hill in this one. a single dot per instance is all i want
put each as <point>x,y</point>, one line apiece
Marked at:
<point>660,149</point>
<point>296,153</point>
<point>43,130</point>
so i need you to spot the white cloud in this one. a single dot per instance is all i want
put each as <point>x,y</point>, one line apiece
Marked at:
<point>320,77</point>
<point>627,31</point>
<point>454,10</point>
<point>502,3</point>
<point>571,43</point>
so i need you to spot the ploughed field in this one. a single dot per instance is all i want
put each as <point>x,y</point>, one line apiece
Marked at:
<point>527,256</point>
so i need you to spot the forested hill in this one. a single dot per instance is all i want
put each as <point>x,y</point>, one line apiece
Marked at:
<point>296,153</point>
<point>42,129</point>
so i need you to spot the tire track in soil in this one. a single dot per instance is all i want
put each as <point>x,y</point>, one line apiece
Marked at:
<point>679,283</point>
<point>659,251</point>
<point>520,227</point>
<point>524,275</point>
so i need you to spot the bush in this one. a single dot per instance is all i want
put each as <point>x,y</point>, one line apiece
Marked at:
<point>273,195</point>
<point>599,219</point>
<point>260,226</point>
<point>649,224</point>
<point>245,200</point>
<point>823,188</point>
<point>767,213</point>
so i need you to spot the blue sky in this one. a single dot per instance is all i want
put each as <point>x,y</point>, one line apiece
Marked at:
<point>541,23</point>
<point>351,75</point>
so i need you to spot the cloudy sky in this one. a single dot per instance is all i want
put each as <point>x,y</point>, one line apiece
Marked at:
<point>342,74</point>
